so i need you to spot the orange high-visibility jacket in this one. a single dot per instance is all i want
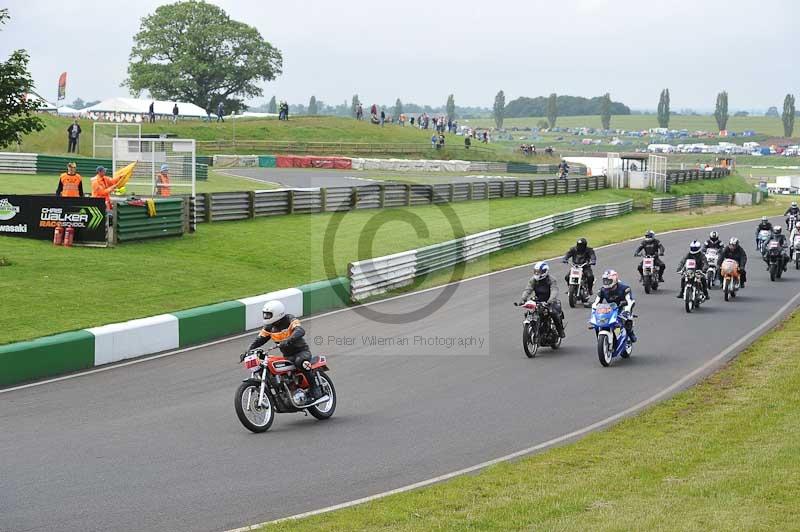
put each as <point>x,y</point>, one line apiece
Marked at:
<point>102,186</point>
<point>162,185</point>
<point>70,186</point>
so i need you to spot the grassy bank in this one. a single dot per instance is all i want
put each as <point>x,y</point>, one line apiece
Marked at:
<point>725,185</point>
<point>720,456</point>
<point>52,139</point>
<point>222,261</point>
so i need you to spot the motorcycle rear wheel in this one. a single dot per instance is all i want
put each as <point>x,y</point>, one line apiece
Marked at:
<point>324,410</point>
<point>246,404</point>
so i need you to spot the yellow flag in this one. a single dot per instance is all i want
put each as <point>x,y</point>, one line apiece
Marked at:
<point>124,174</point>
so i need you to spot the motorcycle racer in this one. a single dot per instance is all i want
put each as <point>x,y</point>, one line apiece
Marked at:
<point>614,291</point>
<point>544,289</point>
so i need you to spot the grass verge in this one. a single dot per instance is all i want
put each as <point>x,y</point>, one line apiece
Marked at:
<point>719,456</point>
<point>724,185</point>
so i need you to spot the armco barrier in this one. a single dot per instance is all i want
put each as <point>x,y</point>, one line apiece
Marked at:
<point>220,206</point>
<point>133,222</point>
<point>693,201</point>
<point>381,274</point>
<point>46,357</point>
<point>323,295</point>
<point>201,324</point>
<point>17,163</point>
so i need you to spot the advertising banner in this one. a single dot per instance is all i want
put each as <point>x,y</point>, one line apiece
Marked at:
<point>38,216</point>
<point>62,86</point>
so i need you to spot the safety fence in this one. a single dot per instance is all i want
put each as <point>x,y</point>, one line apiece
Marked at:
<point>682,203</point>
<point>382,274</point>
<point>221,206</point>
<point>33,163</point>
<point>676,177</point>
<point>136,222</point>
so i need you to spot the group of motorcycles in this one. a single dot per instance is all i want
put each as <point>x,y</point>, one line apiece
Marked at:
<point>607,320</point>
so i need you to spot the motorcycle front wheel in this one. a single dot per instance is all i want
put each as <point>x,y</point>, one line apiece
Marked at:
<point>773,271</point>
<point>726,287</point>
<point>325,410</point>
<point>648,283</point>
<point>604,350</point>
<point>530,340</point>
<point>572,296</point>
<point>254,417</point>
<point>688,300</point>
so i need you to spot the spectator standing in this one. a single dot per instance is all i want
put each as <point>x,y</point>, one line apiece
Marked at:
<point>441,141</point>
<point>220,112</point>
<point>162,182</point>
<point>383,117</point>
<point>412,121</point>
<point>151,113</point>
<point>434,140</point>
<point>70,184</point>
<point>73,135</point>
<point>103,186</point>
<point>360,112</point>
<point>175,113</point>
<point>467,142</point>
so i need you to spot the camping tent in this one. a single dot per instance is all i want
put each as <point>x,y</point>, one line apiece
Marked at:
<point>142,106</point>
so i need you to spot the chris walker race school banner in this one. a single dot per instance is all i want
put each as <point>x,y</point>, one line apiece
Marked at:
<point>38,216</point>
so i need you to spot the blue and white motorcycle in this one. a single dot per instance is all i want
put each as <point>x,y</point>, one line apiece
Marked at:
<point>612,338</point>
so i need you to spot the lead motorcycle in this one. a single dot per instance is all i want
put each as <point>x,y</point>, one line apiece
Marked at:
<point>613,341</point>
<point>276,386</point>
<point>693,294</point>
<point>578,289</point>
<point>538,328</point>
<point>730,278</point>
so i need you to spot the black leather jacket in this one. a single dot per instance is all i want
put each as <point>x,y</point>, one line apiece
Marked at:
<point>652,247</point>
<point>587,256</point>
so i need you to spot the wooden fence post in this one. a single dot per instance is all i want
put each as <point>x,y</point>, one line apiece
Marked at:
<point>290,199</point>
<point>251,204</point>
<point>323,199</point>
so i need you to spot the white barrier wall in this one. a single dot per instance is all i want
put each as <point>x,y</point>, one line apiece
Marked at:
<point>292,299</point>
<point>134,338</point>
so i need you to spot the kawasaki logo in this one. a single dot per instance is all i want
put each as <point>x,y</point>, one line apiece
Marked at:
<point>7,211</point>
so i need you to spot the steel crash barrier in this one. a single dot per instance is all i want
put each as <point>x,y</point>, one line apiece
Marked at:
<point>33,163</point>
<point>382,274</point>
<point>221,206</point>
<point>682,203</point>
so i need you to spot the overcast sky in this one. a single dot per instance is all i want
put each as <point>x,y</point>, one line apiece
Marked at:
<point>422,50</point>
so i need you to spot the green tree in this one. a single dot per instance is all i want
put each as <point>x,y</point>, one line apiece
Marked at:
<point>18,112</point>
<point>354,104</point>
<point>193,51</point>
<point>451,107</point>
<point>312,106</point>
<point>721,110</point>
<point>272,107</point>
<point>552,110</point>
<point>499,109</point>
<point>398,108</point>
<point>788,115</point>
<point>605,111</point>
<point>663,109</point>
<point>78,104</point>
<point>772,111</point>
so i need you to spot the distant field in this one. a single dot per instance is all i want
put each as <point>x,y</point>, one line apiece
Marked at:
<point>767,125</point>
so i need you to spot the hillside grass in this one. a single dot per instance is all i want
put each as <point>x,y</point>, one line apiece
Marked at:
<point>724,185</point>
<point>67,289</point>
<point>53,139</point>
<point>721,455</point>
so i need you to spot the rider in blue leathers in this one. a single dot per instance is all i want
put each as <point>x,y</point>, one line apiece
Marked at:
<point>613,291</point>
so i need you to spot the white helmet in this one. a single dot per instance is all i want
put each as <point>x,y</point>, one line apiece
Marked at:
<point>695,247</point>
<point>272,312</point>
<point>541,270</point>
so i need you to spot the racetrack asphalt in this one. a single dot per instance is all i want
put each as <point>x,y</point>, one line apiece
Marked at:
<point>157,446</point>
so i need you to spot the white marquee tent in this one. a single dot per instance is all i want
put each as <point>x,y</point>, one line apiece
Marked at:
<point>68,111</point>
<point>142,106</point>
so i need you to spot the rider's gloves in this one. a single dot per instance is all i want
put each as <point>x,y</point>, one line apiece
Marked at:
<point>242,356</point>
